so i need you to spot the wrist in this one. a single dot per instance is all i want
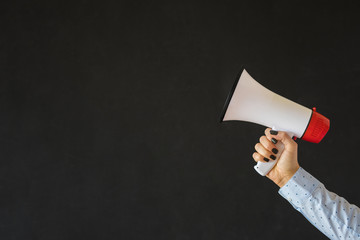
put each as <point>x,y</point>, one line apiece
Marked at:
<point>287,177</point>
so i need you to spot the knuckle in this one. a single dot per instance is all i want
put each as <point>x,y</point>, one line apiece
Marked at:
<point>256,156</point>
<point>262,139</point>
<point>265,142</point>
<point>266,131</point>
<point>281,134</point>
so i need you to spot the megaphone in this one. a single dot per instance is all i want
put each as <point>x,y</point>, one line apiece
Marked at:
<point>249,101</point>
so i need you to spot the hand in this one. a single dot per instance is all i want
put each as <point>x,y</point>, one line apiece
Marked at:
<point>266,151</point>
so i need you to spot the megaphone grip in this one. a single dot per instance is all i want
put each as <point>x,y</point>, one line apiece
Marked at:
<point>263,168</point>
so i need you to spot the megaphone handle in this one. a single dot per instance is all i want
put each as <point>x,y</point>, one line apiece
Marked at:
<point>264,168</point>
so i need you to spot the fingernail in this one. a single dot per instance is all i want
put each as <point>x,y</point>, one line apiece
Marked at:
<point>273,132</point>
<point>266,159</point>
<point>274,140</point>
<point>274,150</point>
<point>272,157</point>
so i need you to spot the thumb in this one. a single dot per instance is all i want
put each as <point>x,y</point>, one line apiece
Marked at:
<point>289,143</point>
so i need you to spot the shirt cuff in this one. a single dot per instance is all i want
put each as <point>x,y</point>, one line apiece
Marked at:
<point>299,188</point>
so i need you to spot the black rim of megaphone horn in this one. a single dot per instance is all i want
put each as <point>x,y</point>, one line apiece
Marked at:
<point>231,93</point>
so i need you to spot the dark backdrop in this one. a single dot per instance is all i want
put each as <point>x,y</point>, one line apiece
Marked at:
<point>109,115</point>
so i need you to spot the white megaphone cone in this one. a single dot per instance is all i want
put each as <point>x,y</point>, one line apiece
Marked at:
<point>249,101</point>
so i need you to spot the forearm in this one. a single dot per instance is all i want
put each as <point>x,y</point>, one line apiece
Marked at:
<point>328,212</point>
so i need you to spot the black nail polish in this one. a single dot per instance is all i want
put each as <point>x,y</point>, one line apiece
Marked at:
<point>273,132</point>
<point>266,159</point>
<point>272,157</point>
<point>274,150</point>
<point>274,140</point>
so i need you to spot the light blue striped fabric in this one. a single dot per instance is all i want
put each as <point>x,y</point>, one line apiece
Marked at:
<point>328,212</point>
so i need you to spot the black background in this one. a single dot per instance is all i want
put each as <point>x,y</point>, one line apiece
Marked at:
<point>109,115</point>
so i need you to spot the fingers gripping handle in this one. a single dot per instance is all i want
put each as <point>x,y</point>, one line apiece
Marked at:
<point>263,168</point>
